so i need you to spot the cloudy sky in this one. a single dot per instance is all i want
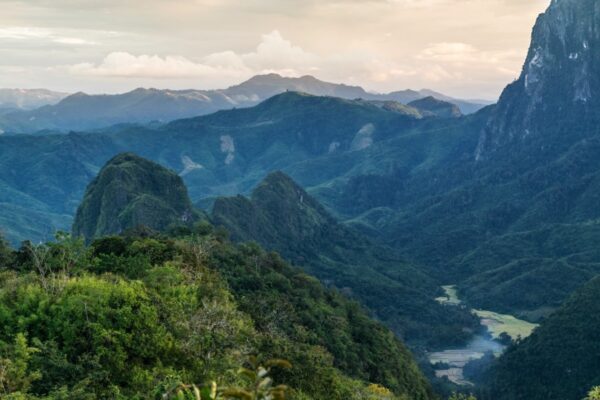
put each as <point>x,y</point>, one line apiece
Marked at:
<point>467,48</point>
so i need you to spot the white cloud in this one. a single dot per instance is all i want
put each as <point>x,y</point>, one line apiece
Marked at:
<point>42,35</point>
<point>24,33</point>
<point>123,64</point>
<point>273,54</point>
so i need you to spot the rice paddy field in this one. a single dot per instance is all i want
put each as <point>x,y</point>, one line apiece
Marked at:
<point>455,359</point>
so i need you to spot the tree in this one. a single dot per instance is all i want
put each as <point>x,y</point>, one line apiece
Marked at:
<point>15,375</point>
<point>6,253</point>
<point>594,394</point>
<point>259,386</point>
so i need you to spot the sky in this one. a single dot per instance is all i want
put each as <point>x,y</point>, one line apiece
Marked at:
<point>464,48</point>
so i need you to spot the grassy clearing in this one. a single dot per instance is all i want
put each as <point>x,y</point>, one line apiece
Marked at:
<point>451,297</point>
<point>498,323</point>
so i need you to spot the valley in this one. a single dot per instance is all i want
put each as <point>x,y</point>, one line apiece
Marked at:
<point>450,363</point>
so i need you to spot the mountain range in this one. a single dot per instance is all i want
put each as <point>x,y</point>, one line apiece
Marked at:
<point>386,200</point>
<point>143,106</point>
<point>28,99</point>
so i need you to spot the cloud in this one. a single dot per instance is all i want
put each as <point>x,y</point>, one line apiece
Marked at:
<point>465,57</point>
<point>28,33</point>
<point>124,65</point>
<point>273,54</point>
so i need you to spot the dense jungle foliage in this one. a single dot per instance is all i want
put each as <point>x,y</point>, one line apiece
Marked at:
<point>131,317</point>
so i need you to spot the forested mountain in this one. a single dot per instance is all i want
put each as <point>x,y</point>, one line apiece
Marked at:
<point>152,105</point>
<point>128,192</point>
<point>135,317</point>
<point>560,360</point>
<point>514,210</point>
<point>281,216</point>
<point>221,154</point>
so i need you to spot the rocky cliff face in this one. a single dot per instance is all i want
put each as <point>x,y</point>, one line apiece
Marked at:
<point>559,88</point>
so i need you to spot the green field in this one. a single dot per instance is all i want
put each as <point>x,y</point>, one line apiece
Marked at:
<point>498,323</point>
<point>451,297</point>
<point>495,323</point>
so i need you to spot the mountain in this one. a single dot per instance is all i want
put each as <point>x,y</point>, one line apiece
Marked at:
<point>129,192</point>
<point>438,108</point>
<point>466,106</point>
<point>143,106</point>
<point>28,99</point>
<point>559,88</point>
<point>283,217</point>
<point>262,87</point>
<point>221,154</point>
<point>139,106</point>
<point>559,361</point>
<point>513,209</point>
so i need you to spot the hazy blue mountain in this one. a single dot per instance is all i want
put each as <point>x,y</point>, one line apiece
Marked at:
<point>262,87</point>
<point>81,111</point>
<point>28,99</point>
<point>221,154</point>
<point>466,106</point>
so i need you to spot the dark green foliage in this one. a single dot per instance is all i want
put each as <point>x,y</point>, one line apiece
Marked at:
<point>130,192</point>
<point>560,359</point>
<point>300,308</point>
<point>129,316</point>
<point>6,253</point>
<point>283,217</point>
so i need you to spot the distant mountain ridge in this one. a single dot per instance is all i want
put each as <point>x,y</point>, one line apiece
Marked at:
<point>28,99</point>
<point>142,106</point>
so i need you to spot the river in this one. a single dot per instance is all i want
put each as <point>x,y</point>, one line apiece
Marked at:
<point>456,358</point>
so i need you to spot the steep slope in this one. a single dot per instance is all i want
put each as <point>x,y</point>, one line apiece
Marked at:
<point>136,316</point>
<point>81,111</point>
<point>128,192</point>
<point>558,92</point>
<point>560,360</point>
<point>283,217</point>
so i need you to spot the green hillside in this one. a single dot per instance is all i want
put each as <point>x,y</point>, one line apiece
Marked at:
<point>560,359</point>
<point>130,318</point>
<point>281,216</point>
